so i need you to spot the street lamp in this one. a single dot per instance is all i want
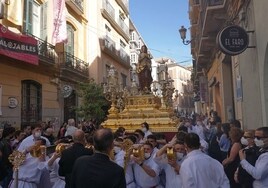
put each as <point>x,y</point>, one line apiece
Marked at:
<point>183,31</point>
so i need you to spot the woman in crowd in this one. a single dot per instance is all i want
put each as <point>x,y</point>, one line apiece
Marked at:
<point>232,161</point>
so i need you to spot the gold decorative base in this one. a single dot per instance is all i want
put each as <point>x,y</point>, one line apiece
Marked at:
<point>143,108</point>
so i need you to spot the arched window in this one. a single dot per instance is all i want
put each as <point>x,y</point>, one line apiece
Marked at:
<point>31,102</point>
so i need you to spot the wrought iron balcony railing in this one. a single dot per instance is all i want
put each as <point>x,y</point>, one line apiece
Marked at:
<point>46,51</point>
<point>68,60</point>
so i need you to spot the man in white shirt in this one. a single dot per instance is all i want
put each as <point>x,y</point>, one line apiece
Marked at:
<point>33,172</point>
<point>171,166</point>
<point>199,170</point>
<point>70,129</point>
<point>119,154</point>
<point>146,172</point>
<point>30,140</point>
<point>260,171</point>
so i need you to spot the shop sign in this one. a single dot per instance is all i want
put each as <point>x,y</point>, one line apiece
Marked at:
<point>18,46</point>
<point>233,40</point>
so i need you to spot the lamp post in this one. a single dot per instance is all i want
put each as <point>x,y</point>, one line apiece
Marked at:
<point>182,32</point>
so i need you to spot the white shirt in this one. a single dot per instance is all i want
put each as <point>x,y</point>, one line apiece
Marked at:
<point>199,170</point>
<point>199,130</point>
<point>56,180</point>
<point>147,133</point>
<point>119,158</point>
<point>70,130</point>
<point>259,172</point>
<point>30,173</point>
<point>143,180</point>
<point>30,141</point>
<point>172,178</point>
<point>130,176</point>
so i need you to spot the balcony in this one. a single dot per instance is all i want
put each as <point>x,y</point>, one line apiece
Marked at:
<point>213,14</point>
<point>46,51</point>
<point>120,56</point>
<point>123,56</point>
<point>108,45</point>
<point>108,12</point>
<point>76,5</point>
<point>122,25</point>
<point>72,67</point>
<point>124,5</point>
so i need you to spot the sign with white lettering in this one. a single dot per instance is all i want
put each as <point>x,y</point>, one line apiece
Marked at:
<point>18,46</point>
<point>232,40</point>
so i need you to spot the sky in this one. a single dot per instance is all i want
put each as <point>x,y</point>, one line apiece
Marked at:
<point>158,22</point>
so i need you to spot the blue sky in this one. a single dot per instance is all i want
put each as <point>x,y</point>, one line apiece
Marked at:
<point>158,22</point>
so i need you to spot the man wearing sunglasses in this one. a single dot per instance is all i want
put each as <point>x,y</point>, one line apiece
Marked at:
<point>260,171</point>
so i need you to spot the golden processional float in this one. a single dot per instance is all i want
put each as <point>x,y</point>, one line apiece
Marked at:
<point>131,107</point>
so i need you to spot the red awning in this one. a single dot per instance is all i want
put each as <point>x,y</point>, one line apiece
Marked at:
<point>18,46</point>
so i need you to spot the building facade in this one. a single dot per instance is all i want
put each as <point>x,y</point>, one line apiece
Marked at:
<point>183,103</point>
<point>38,80</point>
<point>236,84</point>
<point>108,33</point>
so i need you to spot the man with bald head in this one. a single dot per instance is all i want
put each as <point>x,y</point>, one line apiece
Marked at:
<point>69,156</point>
<point>98,171</point>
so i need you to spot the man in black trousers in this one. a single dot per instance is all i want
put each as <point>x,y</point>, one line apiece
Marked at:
<point>69,156</point>
<point>97,171</point>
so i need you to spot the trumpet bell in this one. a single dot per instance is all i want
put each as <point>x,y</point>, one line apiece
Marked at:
<point>136,152</point>
<point>38,150</point>
<point>171,154</point>
<point>60,147</point>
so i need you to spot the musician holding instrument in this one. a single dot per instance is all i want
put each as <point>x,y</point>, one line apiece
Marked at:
<point>57,181</point>
<point>146,171</point>
<point>33,172</point>
<point>169,158</point>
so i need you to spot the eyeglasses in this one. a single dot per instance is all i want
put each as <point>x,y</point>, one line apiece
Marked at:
<point>260,137</point>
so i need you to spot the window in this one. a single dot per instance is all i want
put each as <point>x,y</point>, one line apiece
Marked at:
<point>133,34</point>
<point>122,44</point>
<point>31,102</point>
<point>70,45</point>
<point>107,29</point>
<point>124,80</point>
<point>139,44</point>
<point>34,18</point>
<point>133,58</point>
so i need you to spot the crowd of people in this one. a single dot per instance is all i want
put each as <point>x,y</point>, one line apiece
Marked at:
<point>203,153</point>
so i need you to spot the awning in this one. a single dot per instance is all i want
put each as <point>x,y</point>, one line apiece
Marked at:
<point>18,46</point>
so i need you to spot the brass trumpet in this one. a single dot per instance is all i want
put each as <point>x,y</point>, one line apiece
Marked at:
<point>60,147</point>
<point>171,155</point>
<point>38,150</point>
<point>138,152</point>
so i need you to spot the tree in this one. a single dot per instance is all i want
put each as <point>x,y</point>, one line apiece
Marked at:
<point>94,105</point>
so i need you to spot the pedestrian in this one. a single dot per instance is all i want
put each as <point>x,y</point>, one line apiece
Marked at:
<point>98,171</point>
<point>199,170</point>
<point>258,171</point>
<point>69,156</point>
